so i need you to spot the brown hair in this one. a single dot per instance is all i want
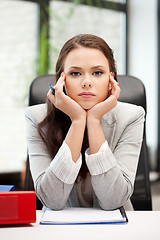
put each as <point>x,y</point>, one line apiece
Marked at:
<point>55,125</point>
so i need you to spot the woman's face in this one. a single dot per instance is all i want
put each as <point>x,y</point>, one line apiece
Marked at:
<point>87,76</point>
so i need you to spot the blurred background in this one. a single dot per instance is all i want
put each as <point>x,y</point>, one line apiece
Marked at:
<point>31,35</point>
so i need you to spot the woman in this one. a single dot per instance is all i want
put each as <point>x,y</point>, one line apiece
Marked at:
<point>83,145</point>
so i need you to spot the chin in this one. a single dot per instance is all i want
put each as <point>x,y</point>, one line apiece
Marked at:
<point>87,106</point>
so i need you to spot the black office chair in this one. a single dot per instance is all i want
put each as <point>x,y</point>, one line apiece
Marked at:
<point>132,91</point>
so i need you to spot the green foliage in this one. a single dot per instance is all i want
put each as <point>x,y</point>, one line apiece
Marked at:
<point>43,60</point>
<point>44,44</point>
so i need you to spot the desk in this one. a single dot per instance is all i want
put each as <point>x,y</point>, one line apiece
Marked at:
<point>141,226</point>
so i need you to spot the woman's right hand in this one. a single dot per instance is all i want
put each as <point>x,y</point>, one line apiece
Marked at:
<point>65,103</point>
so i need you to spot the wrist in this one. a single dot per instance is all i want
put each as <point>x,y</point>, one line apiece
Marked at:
<point>79,121</point>
<point>92,122</point>
<point>78,116</point>
<point>91,118</point>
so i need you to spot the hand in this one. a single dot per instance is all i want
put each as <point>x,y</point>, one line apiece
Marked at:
<point>65,103</point>
<point>101,108</point>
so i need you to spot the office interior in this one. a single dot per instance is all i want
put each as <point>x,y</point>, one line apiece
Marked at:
<point>32,33</point>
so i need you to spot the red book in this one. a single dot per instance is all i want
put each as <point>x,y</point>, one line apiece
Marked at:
<point>17,207</point>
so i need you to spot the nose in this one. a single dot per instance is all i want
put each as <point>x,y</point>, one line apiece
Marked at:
<point>87,83</point>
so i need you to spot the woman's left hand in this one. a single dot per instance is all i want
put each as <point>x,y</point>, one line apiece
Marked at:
<point>101,108</point>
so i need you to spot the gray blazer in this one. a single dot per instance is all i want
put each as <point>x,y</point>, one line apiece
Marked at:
<point>113,184</point>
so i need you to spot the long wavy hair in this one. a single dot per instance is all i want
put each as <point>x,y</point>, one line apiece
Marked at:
<point>55,125</point>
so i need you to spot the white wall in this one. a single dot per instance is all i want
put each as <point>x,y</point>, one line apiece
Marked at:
<point>143,60</point>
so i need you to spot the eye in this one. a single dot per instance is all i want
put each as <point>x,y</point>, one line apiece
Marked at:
<point>98,73</point>
<point>75,74</point>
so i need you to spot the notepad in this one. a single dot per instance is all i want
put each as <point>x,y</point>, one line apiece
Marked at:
<point>83,216</point>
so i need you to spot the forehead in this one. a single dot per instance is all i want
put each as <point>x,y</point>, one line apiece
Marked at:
<point>83,56</point>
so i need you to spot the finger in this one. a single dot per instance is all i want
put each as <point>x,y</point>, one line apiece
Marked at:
<point>59,88</point>
<point>61,79</point>
<point>60,83</point>
<point>115,89</point>
<point>50,96</point>
<point>113,82</point>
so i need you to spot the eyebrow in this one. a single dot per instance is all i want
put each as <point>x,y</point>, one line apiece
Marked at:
<point>97,66</point>
<point>75,67</point>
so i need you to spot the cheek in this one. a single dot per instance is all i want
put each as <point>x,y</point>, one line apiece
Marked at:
<point>70,89</point>
<point>103,91</point>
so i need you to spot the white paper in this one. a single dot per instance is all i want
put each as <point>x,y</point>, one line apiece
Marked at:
<point>81,215</point>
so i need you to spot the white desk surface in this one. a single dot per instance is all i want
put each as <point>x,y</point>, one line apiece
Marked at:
<point>142,225</point>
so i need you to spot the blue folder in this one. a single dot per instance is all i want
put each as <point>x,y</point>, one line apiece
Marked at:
<point>7,188</point>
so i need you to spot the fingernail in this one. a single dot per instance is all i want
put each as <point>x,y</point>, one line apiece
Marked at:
<point>112,74</point>
<point>62,74</point>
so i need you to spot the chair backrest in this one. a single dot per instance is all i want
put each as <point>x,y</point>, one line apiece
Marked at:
<point>132,91</point>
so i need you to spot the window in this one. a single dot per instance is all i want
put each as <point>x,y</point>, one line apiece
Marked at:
<point>18,47</point>
<point>68,19</point>
<point>21,24</point>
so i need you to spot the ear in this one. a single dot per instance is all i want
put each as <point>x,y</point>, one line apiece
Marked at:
<point>110,87</point>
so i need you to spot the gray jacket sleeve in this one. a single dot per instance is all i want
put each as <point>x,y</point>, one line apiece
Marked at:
<point>113,172</point>
<point>53,178</point>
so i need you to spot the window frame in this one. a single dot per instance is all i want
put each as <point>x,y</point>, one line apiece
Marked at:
<point>44,20</point>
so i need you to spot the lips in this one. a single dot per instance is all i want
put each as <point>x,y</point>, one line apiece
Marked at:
<point>86,94</point>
